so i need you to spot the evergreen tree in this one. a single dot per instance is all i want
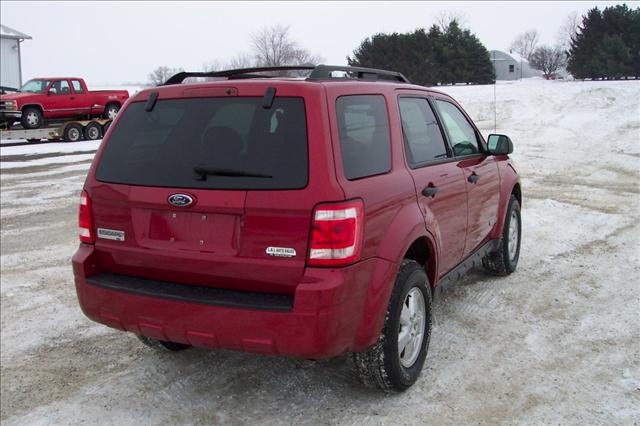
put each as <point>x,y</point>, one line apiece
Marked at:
<point>607,44</point>
<point>427,58</point>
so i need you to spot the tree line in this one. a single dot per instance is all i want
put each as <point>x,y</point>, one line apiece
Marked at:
<point>599,45</point>
<point>602,44</point>
<point>445,54</point>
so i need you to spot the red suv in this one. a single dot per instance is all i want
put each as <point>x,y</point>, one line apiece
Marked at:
<point>304,217</point>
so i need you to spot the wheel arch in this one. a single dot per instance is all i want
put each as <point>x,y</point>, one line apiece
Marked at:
<point>517,191</point>
<point>405,238</point>
<point>509,185</point>
<point>38,106</point>
<point>423,251</point>
<point>113,102</point>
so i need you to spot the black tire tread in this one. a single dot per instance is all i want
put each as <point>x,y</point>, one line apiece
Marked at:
<point>25,112</point>
<point>496,262</point>
<point>105,114</point>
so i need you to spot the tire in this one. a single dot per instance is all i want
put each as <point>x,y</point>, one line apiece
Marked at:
<point>32,118</point>
<point>161,345</point>
<point>72,132</point>
<point>504,260</point>
<point>93,131</point>
<point>386,365</point>
<point>110,111</point>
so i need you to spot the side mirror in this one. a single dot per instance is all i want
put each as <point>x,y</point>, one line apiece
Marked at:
<point>51,92</point>
<point>499,145</point>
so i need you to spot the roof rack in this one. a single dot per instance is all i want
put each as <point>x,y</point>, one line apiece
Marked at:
<point>319,72</point>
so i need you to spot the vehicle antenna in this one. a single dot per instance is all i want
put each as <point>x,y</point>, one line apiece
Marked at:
<point>495,107</point>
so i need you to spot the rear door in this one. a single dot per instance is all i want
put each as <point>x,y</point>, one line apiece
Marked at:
<point>241,171</point>
<point>480,171</point>
<point>439,180</point>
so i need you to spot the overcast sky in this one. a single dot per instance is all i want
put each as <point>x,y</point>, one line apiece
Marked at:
<point>118,42</point>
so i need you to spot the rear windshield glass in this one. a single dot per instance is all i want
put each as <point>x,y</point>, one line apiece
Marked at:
<point>212,143</point>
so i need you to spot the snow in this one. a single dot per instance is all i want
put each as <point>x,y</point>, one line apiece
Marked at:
<point>47,161</point>
<point>555,342</point>
<point>49,147</point>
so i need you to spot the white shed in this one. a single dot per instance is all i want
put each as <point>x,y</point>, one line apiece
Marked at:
<point>510,66</point>
<point>10,60</point>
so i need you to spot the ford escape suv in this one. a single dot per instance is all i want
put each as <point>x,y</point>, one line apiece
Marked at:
<point>304,217</point>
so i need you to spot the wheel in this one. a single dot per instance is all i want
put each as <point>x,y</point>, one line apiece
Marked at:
<point>504,260</point>
<point>162,345</point>
<point>106,127</point>
<point>396,360</point>
<point>93,131</point>
<point>72,132</point>
<point>111,111</point>
<point>32,118</point>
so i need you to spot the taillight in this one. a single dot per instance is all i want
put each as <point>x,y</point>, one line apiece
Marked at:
<point>336,234</point>
<point>85,219</point>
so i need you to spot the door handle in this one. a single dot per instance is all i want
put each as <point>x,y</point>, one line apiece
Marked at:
<point>72,97</point>
<point>430,191</point>
<point>473,178</point>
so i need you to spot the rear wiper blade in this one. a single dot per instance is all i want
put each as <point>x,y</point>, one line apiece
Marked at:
<point>203,171</point>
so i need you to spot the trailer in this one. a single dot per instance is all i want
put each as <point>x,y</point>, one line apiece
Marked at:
<point>67,131</point>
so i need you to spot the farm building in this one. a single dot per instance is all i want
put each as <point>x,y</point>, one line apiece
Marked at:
<point>10,60</point>
<point>510,66</point>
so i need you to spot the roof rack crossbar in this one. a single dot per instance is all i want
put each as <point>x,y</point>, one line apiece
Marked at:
<point>319,72</point>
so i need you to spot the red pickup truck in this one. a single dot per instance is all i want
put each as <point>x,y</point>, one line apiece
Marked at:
<point>43,99</point>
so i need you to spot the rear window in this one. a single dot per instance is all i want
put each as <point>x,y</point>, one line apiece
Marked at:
<point>210,143</point>
<point>363,125</point>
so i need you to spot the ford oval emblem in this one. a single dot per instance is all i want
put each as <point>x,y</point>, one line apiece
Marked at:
<point>180,200</point>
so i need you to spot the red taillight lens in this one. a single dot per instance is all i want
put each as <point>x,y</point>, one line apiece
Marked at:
<point>336,234</point>
<point>85,219</point>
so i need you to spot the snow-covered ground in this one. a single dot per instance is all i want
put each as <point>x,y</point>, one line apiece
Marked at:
<point>556,342</point>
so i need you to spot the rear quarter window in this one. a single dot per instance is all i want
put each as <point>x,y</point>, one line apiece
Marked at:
<point>363,125</point>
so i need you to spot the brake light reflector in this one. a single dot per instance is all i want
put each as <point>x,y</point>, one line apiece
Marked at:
<point>336,234</point>
<point>85,219</point>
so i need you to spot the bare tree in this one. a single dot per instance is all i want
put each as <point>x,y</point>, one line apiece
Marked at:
<point>446,17</point>
<point>273,47</point>
<point>568,30</point>
<point>525,43</point>
<point>162,74</point>
<point>210,66</point>
<point>548,60</point>
<point>240,61</point>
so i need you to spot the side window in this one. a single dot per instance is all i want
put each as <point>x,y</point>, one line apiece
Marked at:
<point>363,125</point>
<point>60,87</point>
<point>77,87</point>
<point>461,134</point>
<point>422,136</point>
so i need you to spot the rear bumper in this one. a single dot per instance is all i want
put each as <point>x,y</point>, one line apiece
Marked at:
<point>332,311</point>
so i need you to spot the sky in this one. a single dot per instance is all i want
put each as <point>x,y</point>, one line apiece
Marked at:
<point>111,43</point>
